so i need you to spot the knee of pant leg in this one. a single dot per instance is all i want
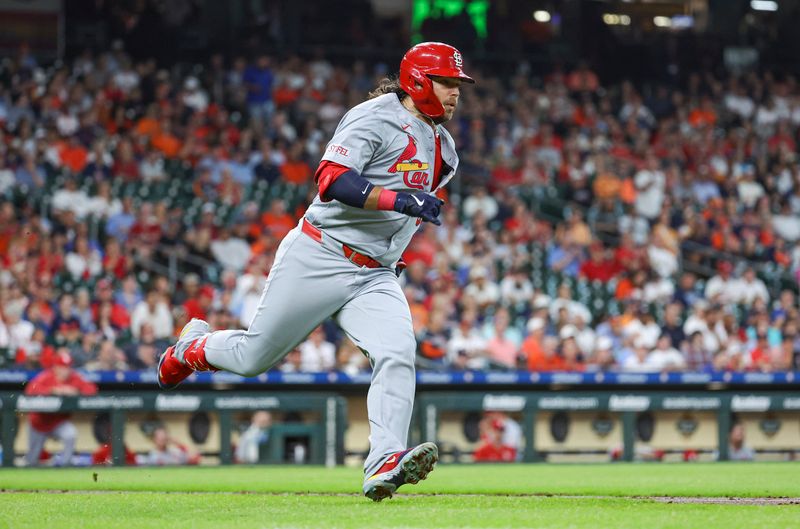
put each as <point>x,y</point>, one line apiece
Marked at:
<point>401,352</point>
<point>253,367</point>
<point>251,372</point>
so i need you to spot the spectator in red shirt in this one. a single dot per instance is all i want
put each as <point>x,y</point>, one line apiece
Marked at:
<point>492,448</point>
<point>147,228</point>
<point>629,256</point>
<point>199,306</point>
<point>118,316</point>
<point>115,262</point>
<point>598,267</point>
<point>59,380</point>
<point>582,79</point>
<point>760,354</point>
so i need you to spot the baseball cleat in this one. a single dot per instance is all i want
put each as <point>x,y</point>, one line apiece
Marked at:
<point>171,370</point>
<point>409,466</point>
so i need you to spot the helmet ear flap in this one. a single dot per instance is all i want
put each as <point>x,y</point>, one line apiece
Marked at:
<point>421,81</point>
<point>420,88</point>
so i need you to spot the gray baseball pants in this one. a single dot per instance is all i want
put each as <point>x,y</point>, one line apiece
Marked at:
<point>310,281</point>
<point>64,432</point>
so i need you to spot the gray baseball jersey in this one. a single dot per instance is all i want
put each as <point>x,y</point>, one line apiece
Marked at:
<point>312,280</point>
<point>384,143</point>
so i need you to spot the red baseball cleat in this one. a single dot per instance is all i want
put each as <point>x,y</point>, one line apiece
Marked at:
<point>409,466</point>
<point>171,370</point>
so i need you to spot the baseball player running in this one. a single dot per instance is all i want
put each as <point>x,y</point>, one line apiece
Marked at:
<point>376,183</point>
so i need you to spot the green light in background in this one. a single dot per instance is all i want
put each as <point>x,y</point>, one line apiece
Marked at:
<point>425,9</point>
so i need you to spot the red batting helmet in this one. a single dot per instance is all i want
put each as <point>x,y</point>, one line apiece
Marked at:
<point>422,61</point>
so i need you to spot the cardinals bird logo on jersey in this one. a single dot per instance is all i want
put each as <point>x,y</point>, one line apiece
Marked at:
<point>415,175</point>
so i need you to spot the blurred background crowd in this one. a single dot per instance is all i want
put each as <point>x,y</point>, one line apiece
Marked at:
<point>648,226</point>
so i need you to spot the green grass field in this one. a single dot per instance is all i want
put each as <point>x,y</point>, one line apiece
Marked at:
<point>541,496</point>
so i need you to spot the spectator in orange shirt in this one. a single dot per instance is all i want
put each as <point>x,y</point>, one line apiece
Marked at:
<point>627,192</point>
<point>295,170</point>
<point>74,155</point>
<point>704,114</point>
<point>165,141</point>
<point>264,244</point>
<point>148,125</point>
<point>277,220</point>
<point>532,345</point>
<point>546,359</point>
<point>606,184</point>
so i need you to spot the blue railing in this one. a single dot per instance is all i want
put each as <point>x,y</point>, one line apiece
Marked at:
<point>431,378</point>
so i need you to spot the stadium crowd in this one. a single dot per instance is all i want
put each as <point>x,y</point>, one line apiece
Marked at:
<point>591,227</point>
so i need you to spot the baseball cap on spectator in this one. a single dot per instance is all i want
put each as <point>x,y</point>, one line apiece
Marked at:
<point>191,83</point>
<point>209,207</point>
<point>541,301</point>
<point>62,359</point>
<point>534,324</point>
<point>103,284</point>
<point>207,290</point>
<point>568,331</point>
<point>603,343</point>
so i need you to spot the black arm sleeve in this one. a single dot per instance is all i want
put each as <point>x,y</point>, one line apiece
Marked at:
<point>350,188</point>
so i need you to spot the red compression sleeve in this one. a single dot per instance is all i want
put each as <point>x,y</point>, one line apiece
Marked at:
<point>326,174</point>
<point>386,200</point>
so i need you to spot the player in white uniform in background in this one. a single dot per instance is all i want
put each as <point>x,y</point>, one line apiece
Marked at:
<point>376,183</point>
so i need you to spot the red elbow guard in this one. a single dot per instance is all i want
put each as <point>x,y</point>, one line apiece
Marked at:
<point>326,174</point>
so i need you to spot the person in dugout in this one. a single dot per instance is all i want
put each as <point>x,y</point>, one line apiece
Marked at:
<point>492,447</point>
<point>61,380</point>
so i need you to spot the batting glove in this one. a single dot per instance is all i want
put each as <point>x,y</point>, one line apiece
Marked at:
<point>420,205</point>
